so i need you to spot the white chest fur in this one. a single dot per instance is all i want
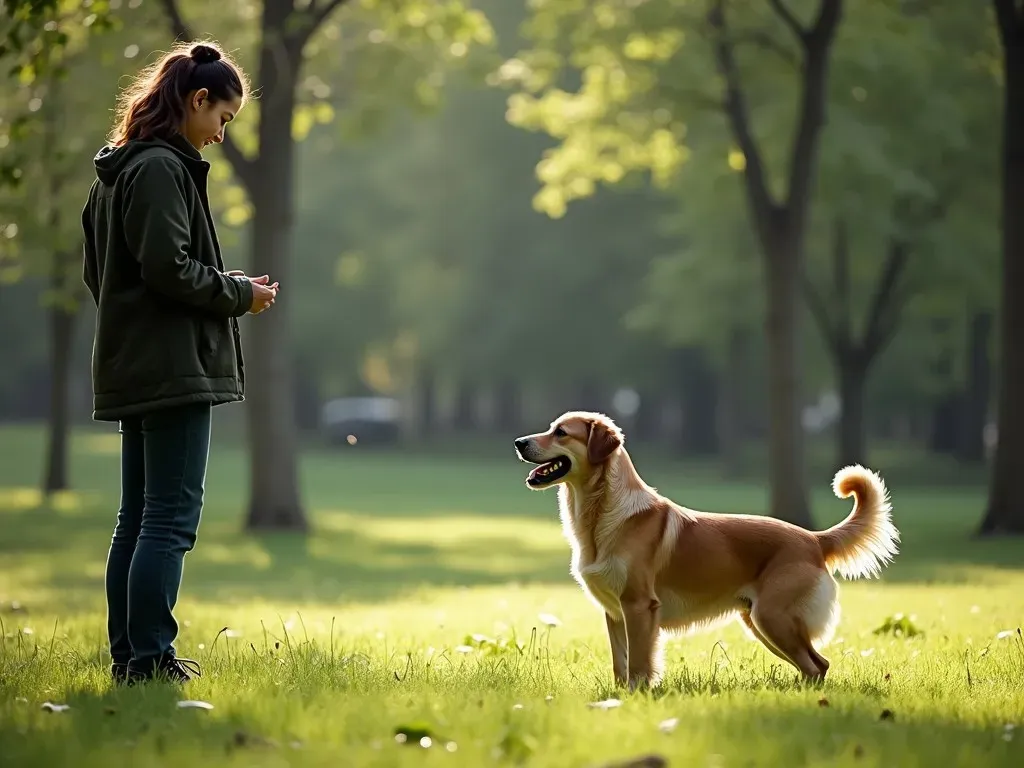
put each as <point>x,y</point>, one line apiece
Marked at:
<point>603,582</point>
<point>600,573</point>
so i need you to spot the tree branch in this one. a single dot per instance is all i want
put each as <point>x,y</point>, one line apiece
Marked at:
<point>811,115</point>
<point>764,207</point>
<point>178,26</point>
<point>319,11</point>
<point>789,19</point>
<point>763,40</point>
<point>819,311</point>
<point>312,17</point>
<point>1008,18</point>
<point>243,166</point>
<point>841,261</point>
<point>886,304</point>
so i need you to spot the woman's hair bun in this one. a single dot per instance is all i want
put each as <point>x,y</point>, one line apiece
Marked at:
<point>204,54</point>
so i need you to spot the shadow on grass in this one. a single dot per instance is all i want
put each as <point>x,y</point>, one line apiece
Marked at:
<point>363,556</point>
<point>350,559</point>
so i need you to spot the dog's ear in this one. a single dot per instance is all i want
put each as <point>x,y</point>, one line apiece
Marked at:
<point>601,443</point>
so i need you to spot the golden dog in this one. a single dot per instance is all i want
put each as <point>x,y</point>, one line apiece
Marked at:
<point>652,565</point>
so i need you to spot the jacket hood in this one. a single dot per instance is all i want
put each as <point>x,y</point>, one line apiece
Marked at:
<point>110,161</point>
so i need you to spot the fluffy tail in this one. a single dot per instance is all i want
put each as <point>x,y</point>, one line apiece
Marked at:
<point>866,541</point>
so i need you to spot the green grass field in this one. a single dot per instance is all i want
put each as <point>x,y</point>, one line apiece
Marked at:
<point>434,597</point>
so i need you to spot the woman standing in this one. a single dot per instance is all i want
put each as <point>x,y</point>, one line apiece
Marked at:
<point>167,347</point>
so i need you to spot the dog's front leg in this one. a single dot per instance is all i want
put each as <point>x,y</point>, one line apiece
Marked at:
<point>640,612</point>
<point>619,646</point>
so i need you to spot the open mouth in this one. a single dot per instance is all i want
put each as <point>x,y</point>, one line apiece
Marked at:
<point>549,472</point>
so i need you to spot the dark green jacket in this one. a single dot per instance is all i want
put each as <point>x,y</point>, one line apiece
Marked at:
<point>166,332</point>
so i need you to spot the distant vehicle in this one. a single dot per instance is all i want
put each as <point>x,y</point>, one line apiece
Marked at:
<point>361,421</point>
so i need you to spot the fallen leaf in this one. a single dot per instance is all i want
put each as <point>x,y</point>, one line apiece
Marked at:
<point>606,704</point>
<point>667,726</point>
<point>823,702</point>
<point>49,706</point>
<point>550,619</point>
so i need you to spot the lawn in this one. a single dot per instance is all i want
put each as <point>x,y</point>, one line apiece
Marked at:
<point>433,598</point>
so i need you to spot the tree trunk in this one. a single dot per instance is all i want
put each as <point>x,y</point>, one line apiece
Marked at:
<point>786,435</point>
<point>699,401</point>
<point>942,438</point>
<point>780,227</point>
<point>507,406</point>
<point>974,412</point>
<point>852,382</point>
<point>945,426</point>
<point>62,332</point>
<point>647,419</point>
<point>464,413</point>
<point>274,481</point>
<point>1005,511</point>
<point>730,405</point>
<point>426,402</point>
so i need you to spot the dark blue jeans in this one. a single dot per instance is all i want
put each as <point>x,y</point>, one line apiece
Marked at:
<point>163,470</point>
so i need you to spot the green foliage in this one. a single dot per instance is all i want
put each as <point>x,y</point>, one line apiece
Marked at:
<point>631,90</point>
<point>59,119</point>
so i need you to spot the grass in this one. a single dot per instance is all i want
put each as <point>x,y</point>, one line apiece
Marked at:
<point>434,598</point>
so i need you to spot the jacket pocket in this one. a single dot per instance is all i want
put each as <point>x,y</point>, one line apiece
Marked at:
<point>208,341</point>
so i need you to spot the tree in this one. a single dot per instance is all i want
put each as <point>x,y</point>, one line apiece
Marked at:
<point>43,178</point>
<point>910,178</point>
<point>413,41</point>
<point>1005,513</point>
<point>629,115</point>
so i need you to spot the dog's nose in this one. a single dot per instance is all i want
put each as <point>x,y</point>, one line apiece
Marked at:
<point>521,443</point>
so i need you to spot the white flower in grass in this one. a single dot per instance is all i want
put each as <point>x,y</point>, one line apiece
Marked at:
<point>549,619</point>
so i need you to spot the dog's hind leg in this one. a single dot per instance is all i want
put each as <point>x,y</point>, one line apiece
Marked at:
<point>779,615</point>
<point>745,618</point>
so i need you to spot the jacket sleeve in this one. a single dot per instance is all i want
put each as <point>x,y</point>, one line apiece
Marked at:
<point>156,227</point>
<point>90,269</point>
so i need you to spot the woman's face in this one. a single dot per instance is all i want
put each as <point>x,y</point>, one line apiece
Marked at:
<point>204,124</point>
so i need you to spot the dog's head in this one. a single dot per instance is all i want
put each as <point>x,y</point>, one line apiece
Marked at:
<point>576,444</point>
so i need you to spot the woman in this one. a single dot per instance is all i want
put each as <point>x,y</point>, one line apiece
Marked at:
<point>167,347</point>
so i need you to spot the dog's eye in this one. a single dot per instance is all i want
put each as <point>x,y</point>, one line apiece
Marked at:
<point>559,432</point>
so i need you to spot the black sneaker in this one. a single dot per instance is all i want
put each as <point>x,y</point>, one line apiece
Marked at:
<point>170,669</point>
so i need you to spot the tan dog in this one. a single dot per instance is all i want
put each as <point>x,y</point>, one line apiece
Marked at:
<point>652,565</point>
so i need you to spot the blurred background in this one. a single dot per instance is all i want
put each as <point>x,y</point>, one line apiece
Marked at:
<point>764,236</point>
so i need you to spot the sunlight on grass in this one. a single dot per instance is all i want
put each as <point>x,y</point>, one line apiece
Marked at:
<point>19,499</point>
<point>450,620</point>
<point>101,444</point>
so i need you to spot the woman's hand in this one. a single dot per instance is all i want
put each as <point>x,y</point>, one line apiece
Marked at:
<point>263,295</point>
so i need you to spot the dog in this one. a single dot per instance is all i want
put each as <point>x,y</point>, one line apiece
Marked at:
<point>655,567</point>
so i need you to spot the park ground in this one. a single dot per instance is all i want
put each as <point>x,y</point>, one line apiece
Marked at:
<point>433,600</point>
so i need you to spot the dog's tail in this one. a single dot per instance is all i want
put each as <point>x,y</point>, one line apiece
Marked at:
<point>866,541</point>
